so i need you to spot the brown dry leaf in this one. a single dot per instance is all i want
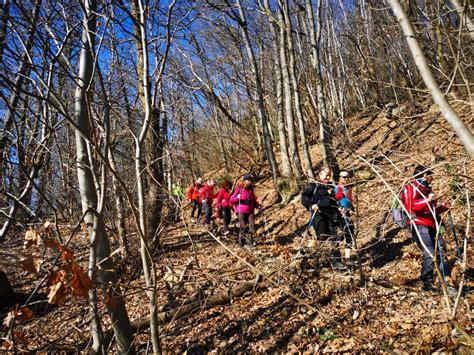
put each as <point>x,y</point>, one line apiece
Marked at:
<point>57,293</point>
<point>80,282</point>
<point>66,253</point>
<point>31,264</point>
<point>47,226</point>
<point>9,319</point>
<point>31,238</point>
<point>24,313</point>
<point>57,289</point>
<point>7,345</point>
<point>56,276</point>
<point>20,336</point>
<point>50,243</point>
<point>110,299</point>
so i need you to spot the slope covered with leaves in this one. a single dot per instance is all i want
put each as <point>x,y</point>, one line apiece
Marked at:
<point>268,300</point>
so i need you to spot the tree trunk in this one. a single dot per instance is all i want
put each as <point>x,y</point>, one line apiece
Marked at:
<point>448,112</point>
<point>262,115</point>
<point>285,159</point>
<point>23,73</point>
<point>290,121</point>
<point>149,124</point>
<point>295,88</point>
<point>325,134</point>
<point>100,248</point>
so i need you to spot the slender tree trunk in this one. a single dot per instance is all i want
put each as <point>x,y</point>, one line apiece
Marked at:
<point>295,87</point>
<point>325,134</point>
<point>100,248</point>
<point>290,121</point>
<point>140,11</point>
<point>262,115</point>
<point>285,159</point>
<point>448,112</point>
<point>15,97</point>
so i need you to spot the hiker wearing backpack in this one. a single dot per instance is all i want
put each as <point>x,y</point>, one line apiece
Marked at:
<point>223,205</point>
<point>245,203</point>
<point>344,199</point>
<point>207,197</point>
<point>421,204</point>
<point>195,199</point>
<point>319,198</point>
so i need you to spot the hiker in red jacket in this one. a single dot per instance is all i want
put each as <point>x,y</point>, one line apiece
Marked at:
<point>223,205</point>
<point>245,203</point>
<point>420,202</point>
<point>194,198</point>
<point>207,196</point>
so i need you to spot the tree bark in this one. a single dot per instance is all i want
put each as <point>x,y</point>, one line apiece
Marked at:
<point>285,159</point>
<point>459,127</point>
<point>290,121</point>
<point>295,88</point>
<point>325,134</point>
<point>262,115</point>
<point>100,248</point>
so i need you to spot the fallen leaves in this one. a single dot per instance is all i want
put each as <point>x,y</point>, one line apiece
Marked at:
<point>31,264</point>
<point>80,282</point>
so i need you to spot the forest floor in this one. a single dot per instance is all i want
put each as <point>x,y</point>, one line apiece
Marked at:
<point>265,300</point>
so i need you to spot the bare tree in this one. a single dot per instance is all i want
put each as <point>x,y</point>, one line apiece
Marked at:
<point>449,114</point>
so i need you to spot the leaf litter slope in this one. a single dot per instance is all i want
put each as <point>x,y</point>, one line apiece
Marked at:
<point>388,313</point>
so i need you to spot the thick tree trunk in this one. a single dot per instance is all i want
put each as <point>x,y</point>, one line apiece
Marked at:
<point>100,248</point>
<point>448,112</point>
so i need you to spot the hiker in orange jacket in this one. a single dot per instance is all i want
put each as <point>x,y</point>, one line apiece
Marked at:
<point>207,197</point>
<point>195,199</point>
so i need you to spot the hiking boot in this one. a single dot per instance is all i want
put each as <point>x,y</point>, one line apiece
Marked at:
<point>429,287</point>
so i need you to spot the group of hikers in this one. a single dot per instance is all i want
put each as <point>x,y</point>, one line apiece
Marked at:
<point>331,208</point>
<point>242,200</point>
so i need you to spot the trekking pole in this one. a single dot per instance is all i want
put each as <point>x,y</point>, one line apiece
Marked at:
<point>265,223</point>
<point>441,261</point>
<point>451,223</point>
<point>308,226</point>
<point>354,243</point>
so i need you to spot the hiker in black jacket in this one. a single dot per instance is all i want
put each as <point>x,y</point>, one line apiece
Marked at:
<point>319,198</point>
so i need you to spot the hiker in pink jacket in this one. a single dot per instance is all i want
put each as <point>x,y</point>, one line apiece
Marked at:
<point>245,203</point>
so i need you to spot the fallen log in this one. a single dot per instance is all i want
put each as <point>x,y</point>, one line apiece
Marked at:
<point>220,298</point>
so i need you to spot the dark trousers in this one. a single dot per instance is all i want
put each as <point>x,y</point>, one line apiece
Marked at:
<point>196,206</point>
<point>325,230</point>
<point>428,237</point>
<point>207,207</point>
<point>226,214</point>
<point>246,227</point>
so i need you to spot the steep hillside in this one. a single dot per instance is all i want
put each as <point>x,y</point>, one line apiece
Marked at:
<point>268,300</point>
